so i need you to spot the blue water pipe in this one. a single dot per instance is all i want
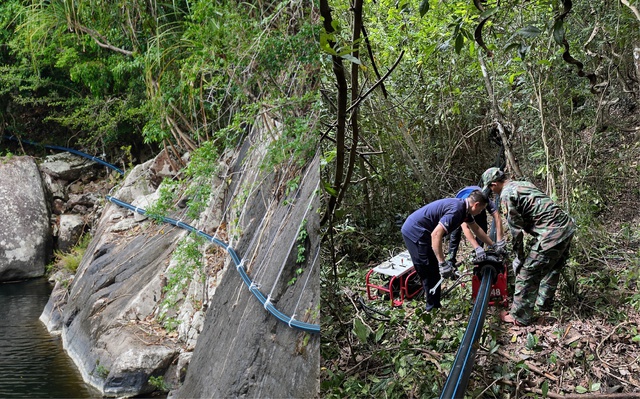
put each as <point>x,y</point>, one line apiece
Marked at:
<point>253,288</point>
<point>291,322</point>
<point>71,150</point>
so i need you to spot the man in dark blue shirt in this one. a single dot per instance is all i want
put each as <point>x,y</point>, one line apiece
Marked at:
<point>424,230</point>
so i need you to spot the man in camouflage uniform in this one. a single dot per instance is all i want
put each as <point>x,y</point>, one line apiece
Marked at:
<point>527,209</point>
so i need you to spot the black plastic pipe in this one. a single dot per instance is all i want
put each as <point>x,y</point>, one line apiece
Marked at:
<point>463,364</point>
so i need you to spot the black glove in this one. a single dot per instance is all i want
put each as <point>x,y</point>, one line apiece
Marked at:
<point>446,269</point>
<point>480,254</point>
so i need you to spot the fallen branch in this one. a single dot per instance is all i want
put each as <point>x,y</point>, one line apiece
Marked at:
<point>357,366</point>
<point>488,387</point>
<point>621,379</point>
<point>350,295</point>
<point>593,395</point>
<point>437,356</point>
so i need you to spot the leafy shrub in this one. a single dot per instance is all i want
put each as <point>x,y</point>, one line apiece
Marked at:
<point>70,260</point>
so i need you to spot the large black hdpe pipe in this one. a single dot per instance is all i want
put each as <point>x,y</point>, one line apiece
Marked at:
<point>463,364</point>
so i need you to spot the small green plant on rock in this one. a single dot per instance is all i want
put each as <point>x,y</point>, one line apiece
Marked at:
<point>302,250</point>
<point>189,264</point>
<point>70,261</point>
<point>291,187</point>
<point>160,208</point>
<point>100,370</point>
<point>159,383</point>
<point>169,323</point>
<point>202,167</point>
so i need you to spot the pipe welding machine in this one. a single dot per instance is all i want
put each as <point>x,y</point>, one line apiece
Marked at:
<point>498,294</point>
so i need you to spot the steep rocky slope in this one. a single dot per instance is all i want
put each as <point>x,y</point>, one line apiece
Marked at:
<point>128,337</point>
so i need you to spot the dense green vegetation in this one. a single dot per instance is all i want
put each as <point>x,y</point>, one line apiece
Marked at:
<point>103,76</point>
<point>421,98</point>
<point>127,79</point>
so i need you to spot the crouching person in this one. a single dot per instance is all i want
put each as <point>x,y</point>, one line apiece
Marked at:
<point>423,233</point>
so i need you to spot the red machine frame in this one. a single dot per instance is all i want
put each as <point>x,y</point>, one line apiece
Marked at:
<point>399,268</point>
<point>498,294</point>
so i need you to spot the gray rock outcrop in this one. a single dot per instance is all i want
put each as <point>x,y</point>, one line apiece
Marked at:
<point>104,314</point>
<point>243,351</point>
<point>66,166</point>
<point>70,228</point>
<point>140,306</point>
<point>25,232</point>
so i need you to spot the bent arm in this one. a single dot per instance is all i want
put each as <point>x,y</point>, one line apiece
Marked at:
<point>436,241</point>
<point>516,224</point>
<point>469,236</point>
<point>480,233</point>
<point>498,223</point>
<point>518,243</point>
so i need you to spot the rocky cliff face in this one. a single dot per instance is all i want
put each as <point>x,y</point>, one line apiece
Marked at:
<point>25,236</point>
<point>130,330</point>
<point>243,351</point>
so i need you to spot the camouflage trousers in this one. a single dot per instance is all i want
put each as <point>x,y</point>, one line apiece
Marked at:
<point>537,280</point>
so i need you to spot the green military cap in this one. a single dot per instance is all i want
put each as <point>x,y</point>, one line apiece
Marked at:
<point>491,175</point>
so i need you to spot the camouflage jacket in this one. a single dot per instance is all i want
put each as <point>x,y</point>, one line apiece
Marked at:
<point>528,209</point>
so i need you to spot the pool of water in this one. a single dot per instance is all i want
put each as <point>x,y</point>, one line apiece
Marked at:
<point>33,363</point>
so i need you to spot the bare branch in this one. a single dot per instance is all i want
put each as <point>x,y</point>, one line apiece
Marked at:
<point>632,8</point>
<point>498,117</point>
<point>101,40</point>
<point>379,82</point>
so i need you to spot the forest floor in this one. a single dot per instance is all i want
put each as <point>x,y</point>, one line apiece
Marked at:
<point>588,346</point>
<point>591,347</point>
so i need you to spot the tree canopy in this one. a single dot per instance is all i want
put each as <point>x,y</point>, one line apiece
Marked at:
<point>422,97</point>
<point>102,75</point>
